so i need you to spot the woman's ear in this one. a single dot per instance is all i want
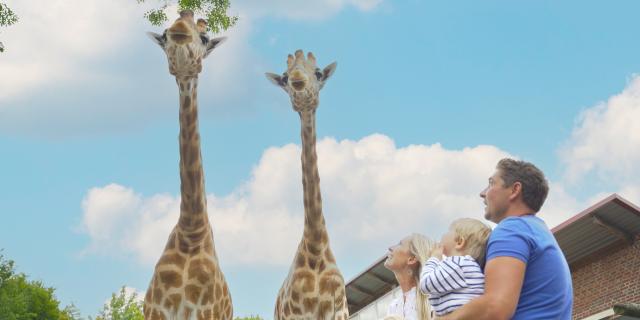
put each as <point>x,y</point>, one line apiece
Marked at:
<point>412,260</point>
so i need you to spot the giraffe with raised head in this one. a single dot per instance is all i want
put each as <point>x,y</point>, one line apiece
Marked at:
<point>314,288</point>
<point>187,283</point>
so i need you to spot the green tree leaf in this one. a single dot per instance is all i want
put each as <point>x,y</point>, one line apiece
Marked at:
<point>214,11</point>
<point>122,307</point>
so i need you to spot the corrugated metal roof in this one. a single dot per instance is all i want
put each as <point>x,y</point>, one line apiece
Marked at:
<point>368,286</point>
<point>610,221</point>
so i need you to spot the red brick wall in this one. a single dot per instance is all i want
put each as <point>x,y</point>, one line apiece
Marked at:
<point>608,278</point>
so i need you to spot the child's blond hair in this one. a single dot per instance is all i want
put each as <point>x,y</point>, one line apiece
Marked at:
<point>475,235</point>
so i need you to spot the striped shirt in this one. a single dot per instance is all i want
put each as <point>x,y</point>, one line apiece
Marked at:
<point>452,282</point>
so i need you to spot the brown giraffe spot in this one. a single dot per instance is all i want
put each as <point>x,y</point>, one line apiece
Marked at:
<point>216,311</point>
<point>183,245</point>
<point>295,310</point>
<point>307,279</point>
<point>287,310</point>
<point>208,295</point>
<point>175,298</point>
<point>208,244</point>
<point>322,266</point>
<point>157,295</point>
<point>310,303</point>
<point>172,259</point>
<point>192,293</point>
<point>187,312</point>
<point>295,296</point>
<point>202,270</point>
<point>195,251</point>
<point>300,260</point>
<point>205,315</point>
<point>312,262</point>
<point>324,308</point>
<point>314,248</point>
<point>328,256</point>
<point>330,282</point>
<point>170,279</point>
<point>218,291</point>
<point>172,242</point>
<point>157,315</point>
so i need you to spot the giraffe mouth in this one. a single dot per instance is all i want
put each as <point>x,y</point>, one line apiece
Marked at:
<point>298,84</point>
<point>180,37</point>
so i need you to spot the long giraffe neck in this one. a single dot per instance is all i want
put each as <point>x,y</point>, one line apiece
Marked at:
<point>315,231</point>
<point>193,205</point>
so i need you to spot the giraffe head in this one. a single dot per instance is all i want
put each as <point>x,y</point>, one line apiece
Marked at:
<point>186,44</point>
<point>303,80</point>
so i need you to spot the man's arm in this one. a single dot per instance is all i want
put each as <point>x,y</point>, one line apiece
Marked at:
<point>503,282</point>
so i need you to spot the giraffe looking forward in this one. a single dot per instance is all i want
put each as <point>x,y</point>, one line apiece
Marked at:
<point>314,288</point>
<point>187,283</point>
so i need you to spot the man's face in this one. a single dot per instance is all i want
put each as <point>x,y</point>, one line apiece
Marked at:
<point>496,198</point>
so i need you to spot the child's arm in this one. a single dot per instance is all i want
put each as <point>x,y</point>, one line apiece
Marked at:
<point>440,277</point>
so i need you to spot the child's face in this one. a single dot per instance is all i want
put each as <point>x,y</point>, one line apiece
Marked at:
<point>448,242</point>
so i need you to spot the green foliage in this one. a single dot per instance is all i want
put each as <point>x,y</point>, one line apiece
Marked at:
<point>215,12</point>
<point>7,18</point>
<point>122,307</point>
<point>23,299</point>
<point>249,318</point>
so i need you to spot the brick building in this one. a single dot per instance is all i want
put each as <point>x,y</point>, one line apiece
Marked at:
<point>600,243</point>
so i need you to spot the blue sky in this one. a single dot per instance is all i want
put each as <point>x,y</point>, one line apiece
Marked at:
<point>427,96</point>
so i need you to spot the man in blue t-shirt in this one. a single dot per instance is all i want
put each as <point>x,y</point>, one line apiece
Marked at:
<point>526,274</point>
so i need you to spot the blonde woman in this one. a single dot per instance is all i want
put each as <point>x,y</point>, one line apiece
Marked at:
<point>405,260</point>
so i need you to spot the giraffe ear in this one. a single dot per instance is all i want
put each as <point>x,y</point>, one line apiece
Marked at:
<point>275,79</point>
<point>212,44</point>
<point>161,40</point>
<point>328,71</point>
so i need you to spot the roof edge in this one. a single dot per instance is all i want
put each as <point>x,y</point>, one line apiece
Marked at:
<point>614,197</point>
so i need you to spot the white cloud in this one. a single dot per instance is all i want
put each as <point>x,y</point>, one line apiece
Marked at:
<point>605,139</point>
<point>82,67</point>
<point>373,194</point>
<point>560,205</point>
<point>54,39</point>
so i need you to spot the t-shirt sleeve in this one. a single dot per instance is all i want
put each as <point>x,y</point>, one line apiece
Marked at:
<point>511,238</point>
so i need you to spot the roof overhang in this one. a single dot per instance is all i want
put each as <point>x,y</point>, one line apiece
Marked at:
<point>611,221</point>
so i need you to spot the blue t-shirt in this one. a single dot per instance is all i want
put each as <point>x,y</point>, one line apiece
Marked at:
<point>547,292</point>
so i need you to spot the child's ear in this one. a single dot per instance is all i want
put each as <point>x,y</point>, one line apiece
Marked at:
<point>412,260</point>
<point>460,242</point>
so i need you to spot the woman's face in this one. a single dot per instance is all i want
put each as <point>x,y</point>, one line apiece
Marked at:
<point>399,256</point>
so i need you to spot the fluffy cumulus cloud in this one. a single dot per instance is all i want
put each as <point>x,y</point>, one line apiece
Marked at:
<point>54,39</point>
<point>78,67</point>
<point>605,139</point>
<point>374,193</point>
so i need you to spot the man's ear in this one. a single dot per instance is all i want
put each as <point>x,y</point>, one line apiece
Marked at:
<point>516,190</point>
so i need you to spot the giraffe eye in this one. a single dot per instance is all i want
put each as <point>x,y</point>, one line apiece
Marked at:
<point>318,74</point>
<point>285,78</point>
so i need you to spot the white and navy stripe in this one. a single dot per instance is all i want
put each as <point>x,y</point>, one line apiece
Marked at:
<point>452,282</point>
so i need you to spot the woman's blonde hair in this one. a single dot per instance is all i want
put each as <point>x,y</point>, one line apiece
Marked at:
<point>475,235</point>
<point>420,247</point>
